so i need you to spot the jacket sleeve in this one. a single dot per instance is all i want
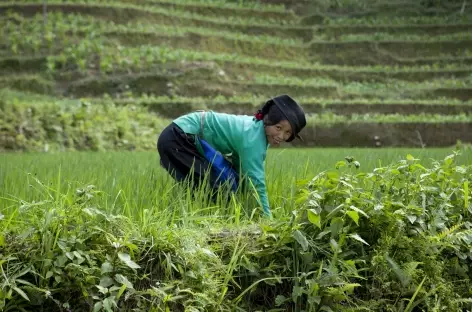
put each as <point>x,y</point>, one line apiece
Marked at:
<point>252,167</point>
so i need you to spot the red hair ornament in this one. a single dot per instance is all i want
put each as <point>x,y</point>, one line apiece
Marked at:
<point>259,115</point>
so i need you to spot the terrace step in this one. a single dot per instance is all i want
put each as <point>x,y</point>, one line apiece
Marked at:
<point>127,14</point>
<point>173,109</point>
<point>248,69</point>
<point>215,9</point>
<point>204,82</point>
<point>348,74</point>
<point>188,84</point>
<point>382,52</point>
<point>430,30</point>
<point>315,11</point>
<point>386,134</point>
<point>213,44</point>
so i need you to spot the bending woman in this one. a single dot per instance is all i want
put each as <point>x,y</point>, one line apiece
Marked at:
<point>193,144</point>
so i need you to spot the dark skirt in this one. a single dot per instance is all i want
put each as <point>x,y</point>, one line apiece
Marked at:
<point>180,157</point>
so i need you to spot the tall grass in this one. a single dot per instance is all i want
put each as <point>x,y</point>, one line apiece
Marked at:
<point>133,184</point>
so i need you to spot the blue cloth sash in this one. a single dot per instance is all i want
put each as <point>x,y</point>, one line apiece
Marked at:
<point>220,166</point>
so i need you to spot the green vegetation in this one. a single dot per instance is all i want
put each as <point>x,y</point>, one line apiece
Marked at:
<point>400,20</point>
<point>382,36</point>
<point>185,16</point>
<point>245,6</point>
<point>391,234</point>
<point>35,123</point>
<point>77,125</point>
<point>136,61</point>
<point>89,221</point>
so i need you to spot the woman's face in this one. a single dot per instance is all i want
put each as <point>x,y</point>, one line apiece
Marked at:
<point>278,133</point>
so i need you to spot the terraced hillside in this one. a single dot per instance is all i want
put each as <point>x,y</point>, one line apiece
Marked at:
<point>367,76</point>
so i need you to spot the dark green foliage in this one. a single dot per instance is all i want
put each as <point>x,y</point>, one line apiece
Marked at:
<point>394,239</point>
<point>77,125</point>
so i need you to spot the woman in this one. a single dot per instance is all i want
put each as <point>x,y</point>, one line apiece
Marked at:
<point>193,144</point>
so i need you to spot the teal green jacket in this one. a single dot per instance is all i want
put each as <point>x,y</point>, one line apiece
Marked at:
<point>241,136</point>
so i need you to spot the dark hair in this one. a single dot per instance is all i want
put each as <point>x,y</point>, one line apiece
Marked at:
<point>280,108</point>
<point>270,114</point>
<point>273,116</point>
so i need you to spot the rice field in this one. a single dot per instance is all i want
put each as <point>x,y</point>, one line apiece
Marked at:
<point>134,181</point>
<point>371,212</point>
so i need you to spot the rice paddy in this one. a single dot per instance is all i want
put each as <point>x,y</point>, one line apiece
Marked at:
<point>370,212</point>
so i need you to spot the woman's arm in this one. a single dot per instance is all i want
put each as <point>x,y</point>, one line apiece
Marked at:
<point>252,167</point>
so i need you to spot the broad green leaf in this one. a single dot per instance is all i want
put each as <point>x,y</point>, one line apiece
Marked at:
<point>411,218</point>
<point>349,287</point>
<point>354,216</point>
<point>77,254</point>
<point>297,291</point>
<point>340,164</point>
<point>127,260</point>
<point>357,237</point>
<point>314,218</point>
<point>49,274</point>
<point>102,289</point>
<point>301,239</point>
<point>60,261</point>
<point>410,157</point>
<point>279,300</point>
<point>336,226</point>
<point>106,267</point>
<point>123,280</point>
<point>98,306</point>
<point>21,292</point>
<point>70,255</point>
<point>359,211</point>
<point>108,304</point>
<point>106,281</point>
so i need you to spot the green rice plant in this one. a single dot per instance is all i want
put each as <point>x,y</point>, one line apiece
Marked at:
<point>76,124</point>
<point>364,233</point>
<point>328,118</point>
<point>63,39</point>
<point>384,36</point>
<point>49,124</point>
<point>172,13</point>
<point>219,102</point>
<point>399,20</point>
<point>242,5</point>
<point>64,24</point>
<point>360,86</point>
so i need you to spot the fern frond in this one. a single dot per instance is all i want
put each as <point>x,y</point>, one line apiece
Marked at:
<point>449,231</point>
